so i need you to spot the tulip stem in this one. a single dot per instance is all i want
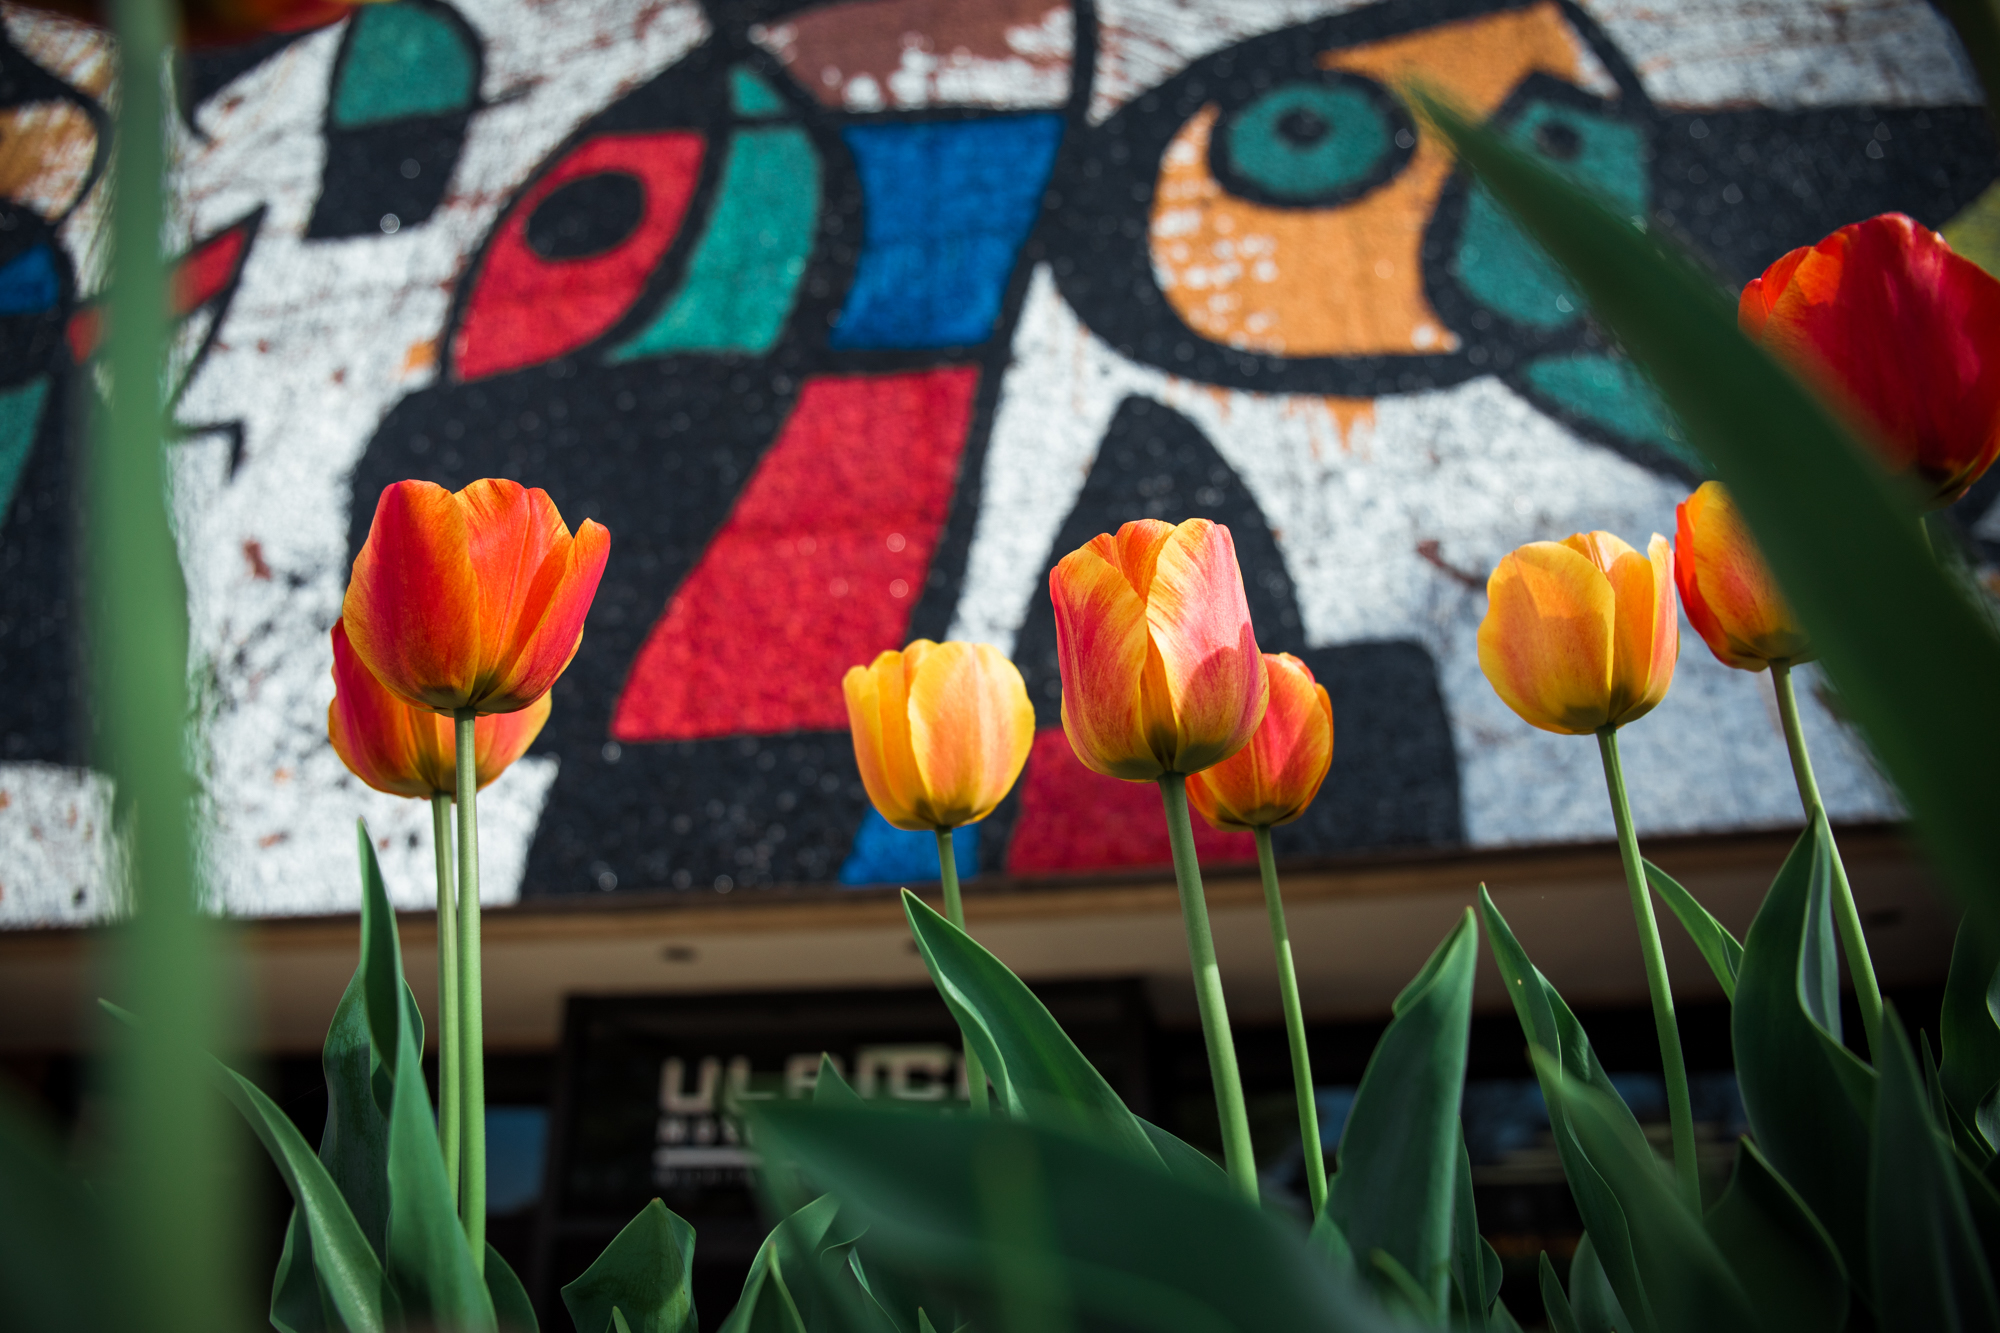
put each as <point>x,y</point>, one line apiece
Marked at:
<point>447,984</point>
<point>471,1019</point>
<point>1852,941</point>
<point>1674,1067</point>
<point>954,911</point>
<point>1237,1155</point>
<point>1295,1026</point>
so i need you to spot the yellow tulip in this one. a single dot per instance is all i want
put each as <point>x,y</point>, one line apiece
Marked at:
<point>941,731</point>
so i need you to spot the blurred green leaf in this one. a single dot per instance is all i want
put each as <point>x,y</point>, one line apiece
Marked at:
<point>772,1297</point>
<point>1187,1163</point>
<point>644,1273</point>
<point>1129,1246</point>
<point>1896,636</point>
<point>1551,1027</point>
<point>1930,1273</point>
<point>830,1088</point>
<point>1717,945</point>
<point>1036,1070</point>
<point>1970,1026</point>
<point>51,1250</point>
<point>1399,1155</point>
<point>1807,1097</point>
<point>1555,1304</point>
<point>1591,1298</point>
<point>1778,1250</point>
<point>512,1310</point>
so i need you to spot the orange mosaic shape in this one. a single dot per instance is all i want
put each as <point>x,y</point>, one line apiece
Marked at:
<point>1345,280</point>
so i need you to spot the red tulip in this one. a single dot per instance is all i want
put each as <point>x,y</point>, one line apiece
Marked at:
<point>1275,777</point>
<point>1730,596</point>
<point>407,751</point>
<point>223,22</point>
<point>1160,668</point>
<point>474,600</point>
<point>1901,332</point>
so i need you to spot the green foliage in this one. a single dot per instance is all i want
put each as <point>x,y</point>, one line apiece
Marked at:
<point>512,1309</point>
<point>642,1276</point>
<point>1555,1302</point>
<point>1717,945</point>
<point>1970,1029</point>
<point>51,1252</point>
<point>1786,1262</point>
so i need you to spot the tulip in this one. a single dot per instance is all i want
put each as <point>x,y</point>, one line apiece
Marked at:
<point>407,751</point>
<point>1160,669</point>
<point>1580,635</point>
<point>1730,596</point>
<point>471,601</point>
<point>1274,778</point>
<point>212,23</point>
<point>1899,331</point>
<point>941,731</point>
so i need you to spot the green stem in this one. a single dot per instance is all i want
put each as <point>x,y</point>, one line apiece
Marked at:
<point>1237,1154</point>
<point>173,1226</point>
<point>1679,1109</point>
<point>954,910</point>
<point>471,1018</point>
<point>1846,917</point>
<point>447,989</point>
<point>1295,1025</point>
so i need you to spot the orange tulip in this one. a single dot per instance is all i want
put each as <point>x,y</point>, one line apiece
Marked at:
<point>1274,778</point>
<point>407,751</point>
<point>1581,634</point>
<point>474,600</point>
<point>1160,669</point>
<point>941,731</point>
<point>1897,328</point>
<point>1730,596</point>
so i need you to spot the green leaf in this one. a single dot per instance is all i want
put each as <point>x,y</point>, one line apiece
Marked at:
<point>1780,1253</point>
<point>1399,1155</point>
<point>512,1310</point>
<point>1185,1162</point>
<point>1807,1097</point>
<point>359,1089</point>
<point>1689,1286</point>
<point>830,1088</point>
<point>296,1303</point>
<point>1591,1297</point>
<point>1554,1303</point>
<point>1551,1027</point>
<point>1970,1024</point>
<point>53,1274</point>
<point>644,1272</point>
<point>428,1262</point>
<point>1717,945</point>
<point>1036,1070</point>
<point>1930,1273</point>
<point>1893,632</point>
<point>947,1202</point>
<point>1475,1269</point>
<point>771,1300</point>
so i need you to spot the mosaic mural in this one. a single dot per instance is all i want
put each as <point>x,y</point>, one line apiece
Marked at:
<point>849,319</point>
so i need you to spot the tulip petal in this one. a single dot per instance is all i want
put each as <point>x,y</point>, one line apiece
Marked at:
<point>1101,647</point>
<point>878,715</point>
<point>371,729</point>
<point>501,738</point>
<point>1645,631</point>
<point>1275,777</point>
<point>411,608</point>
<point>1199,620</point>
<point>1546,642</point>
<point>971,727</point>
<point>570,576</point>
<point>511,533</point>
<point>1731,597</point>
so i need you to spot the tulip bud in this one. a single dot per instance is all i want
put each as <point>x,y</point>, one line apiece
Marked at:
<point>1275,777</point>
<point>1581,634</point>
<point>407,751</point>
<point>473,600</point>
<point>1899,331</point>
<point>1730,596</point>
<point>941,731</point>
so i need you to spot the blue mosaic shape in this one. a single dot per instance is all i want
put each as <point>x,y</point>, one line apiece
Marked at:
<point>946,207</point>
<point>884,854</point>
<point>20,417</point>
<point>28,284</point>
<point>1614,394</point>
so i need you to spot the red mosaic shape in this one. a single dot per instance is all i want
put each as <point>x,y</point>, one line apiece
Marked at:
<point>525,309</point>
<point>1074,819</point>
<point>816,568</point>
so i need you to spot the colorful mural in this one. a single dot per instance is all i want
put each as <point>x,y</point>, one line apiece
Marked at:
<point>848,319</point>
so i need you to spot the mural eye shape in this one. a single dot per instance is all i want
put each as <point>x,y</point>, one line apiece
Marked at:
<point>587,217</point>
<point>1312,142</point>
<point>1555,139</point>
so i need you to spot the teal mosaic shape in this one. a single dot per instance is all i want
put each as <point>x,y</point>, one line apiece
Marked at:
<point>1612,393</point>
<point>1355,139</point>
<point>745,273</point>
<point>753,98</point>
<point>20,413</point>
<point>403,61</point>
<point>1505,271</point>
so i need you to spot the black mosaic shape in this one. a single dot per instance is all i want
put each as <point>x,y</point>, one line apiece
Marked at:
<point>44,709</point>
<point>375,172</point>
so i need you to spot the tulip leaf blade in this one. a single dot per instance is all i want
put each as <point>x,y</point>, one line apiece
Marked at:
<point>1788,1265</point>
<point>1717,945</point>
<point>1555,1302</point>
<point>643,1274</point>
<point>1187,1163</point>
<point>513,1312</point>
<point>1841,536</point>
<point>50,1272</point>
<point>1037,1071</point>
<point>830,1087</point>
<point>782,1272</point>
<point>1590,1294</point>
<point>1395,1188</point>
<point>1808,1098</point>
<point>1969,1027</point>
<point>1930,1272</point>
<point>1476,1270</point>
<point>989,1215</point>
